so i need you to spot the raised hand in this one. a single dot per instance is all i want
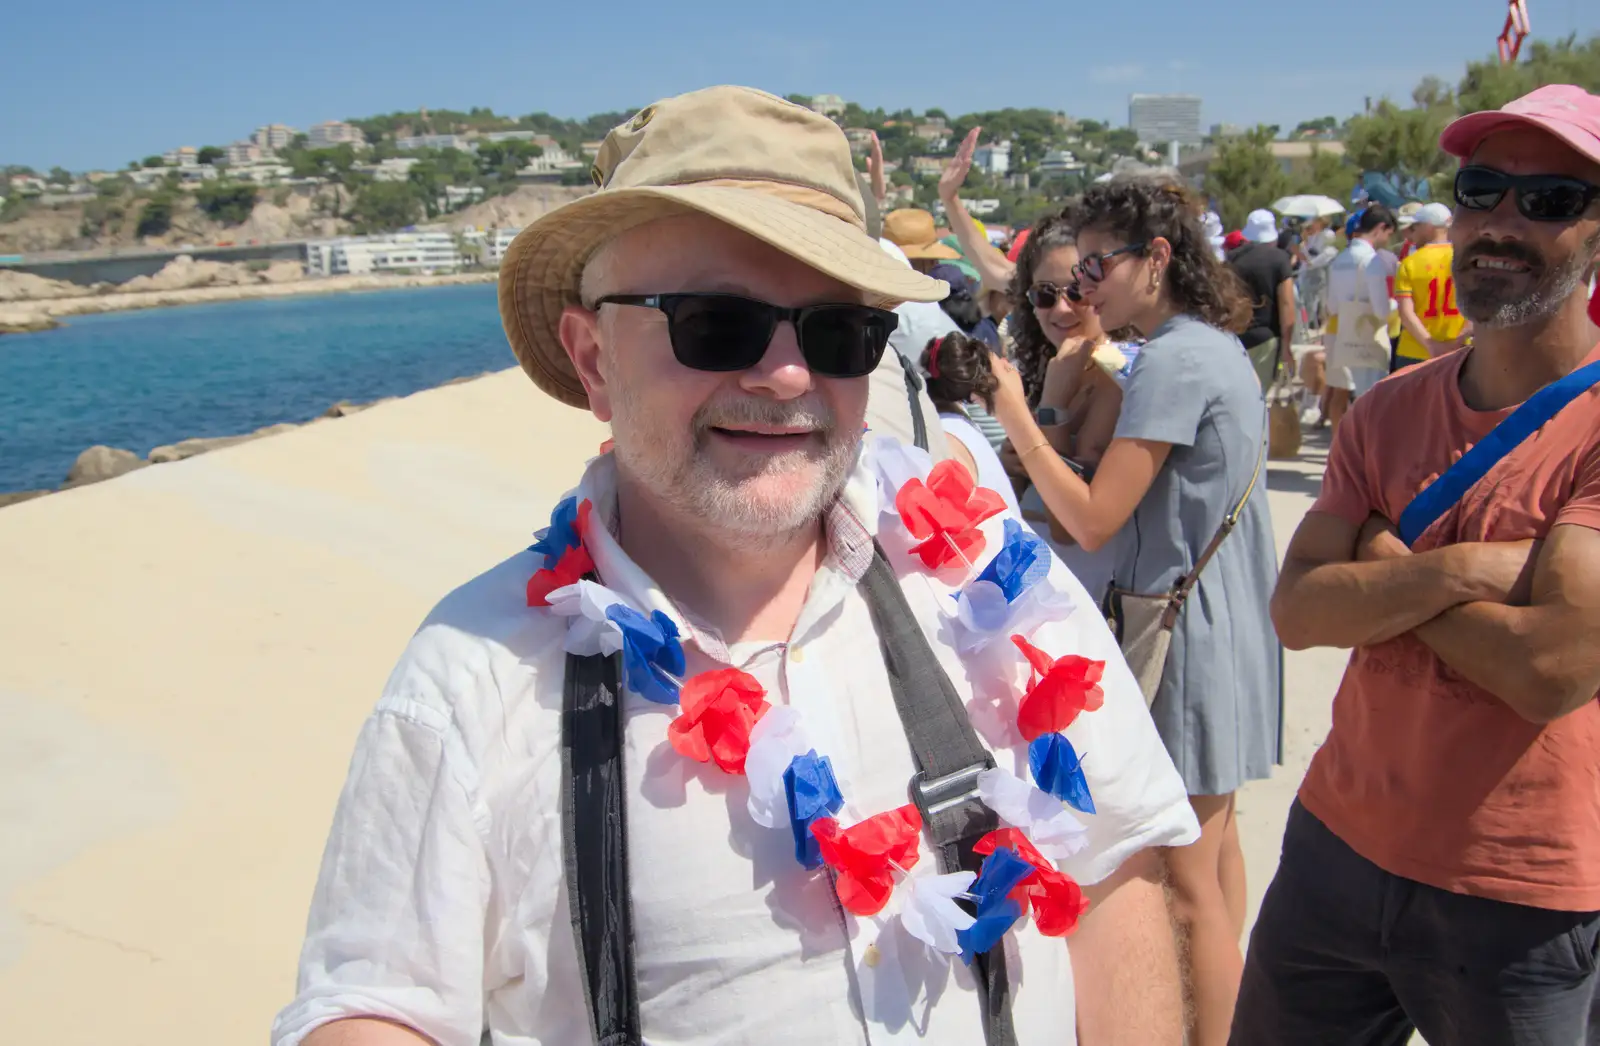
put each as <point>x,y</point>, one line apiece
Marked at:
<point>880,191</point>
<point>956,171</point>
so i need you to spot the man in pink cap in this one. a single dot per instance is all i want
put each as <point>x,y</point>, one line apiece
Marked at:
<point>1441,869</point>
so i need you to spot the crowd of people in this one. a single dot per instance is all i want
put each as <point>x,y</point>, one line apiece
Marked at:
<point>892,511</point>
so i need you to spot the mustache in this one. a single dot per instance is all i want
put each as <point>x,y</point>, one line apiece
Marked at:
<point>1509,250</point>
<point>805,412</point>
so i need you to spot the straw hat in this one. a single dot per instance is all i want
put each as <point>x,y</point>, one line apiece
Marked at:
<point>765,166</point>
<point>913,230</point>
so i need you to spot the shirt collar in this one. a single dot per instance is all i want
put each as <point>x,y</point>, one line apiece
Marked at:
<point>850,525</point>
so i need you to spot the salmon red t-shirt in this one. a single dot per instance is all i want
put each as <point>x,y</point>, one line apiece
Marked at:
<point>1424,773</point>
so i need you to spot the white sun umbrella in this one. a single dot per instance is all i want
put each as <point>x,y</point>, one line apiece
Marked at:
<point>1308,206</point>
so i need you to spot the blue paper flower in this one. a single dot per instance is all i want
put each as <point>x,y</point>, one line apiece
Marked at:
<point>561,534</point>
<point>1001,872</point>
<point>1058,770</point>
<point>812,792</point>
<point>1023,560</point>
<point>652,657</point>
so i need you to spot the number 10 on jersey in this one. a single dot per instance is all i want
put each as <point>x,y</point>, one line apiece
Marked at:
<point>1434,299</point>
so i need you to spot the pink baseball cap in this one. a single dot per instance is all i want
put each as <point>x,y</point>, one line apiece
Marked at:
<point>1570,113</point>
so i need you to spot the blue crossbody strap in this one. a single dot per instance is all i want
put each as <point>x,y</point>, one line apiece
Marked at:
<point>1440,495</point>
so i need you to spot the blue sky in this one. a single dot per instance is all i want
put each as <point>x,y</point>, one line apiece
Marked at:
<point>95,84</point>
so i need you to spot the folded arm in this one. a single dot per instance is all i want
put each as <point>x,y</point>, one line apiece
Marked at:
<point>1125,960</point>
<point>1335,591</point>
<point>1541,659</point>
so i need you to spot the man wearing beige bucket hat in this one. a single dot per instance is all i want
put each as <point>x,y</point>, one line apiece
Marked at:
<point>649,779</point>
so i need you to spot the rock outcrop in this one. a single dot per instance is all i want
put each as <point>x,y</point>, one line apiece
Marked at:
<point>188,448</point>
<point>101,463</point>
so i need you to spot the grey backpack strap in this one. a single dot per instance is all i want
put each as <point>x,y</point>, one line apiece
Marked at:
<point>595,845</point>
<point>919,424</point>
<point>949,758</point>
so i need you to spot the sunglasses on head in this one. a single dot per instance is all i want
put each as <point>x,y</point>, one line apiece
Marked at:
<point>1540,197</point>
<point>727,332</point>
<point>1044,296</point>
<point>1093,266</point>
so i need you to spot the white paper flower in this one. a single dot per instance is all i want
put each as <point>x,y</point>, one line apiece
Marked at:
<point>775,740</point>
<point>929,911</point>
<point>1052,828</point>
<point>983,616</point>
<point>589,631</point>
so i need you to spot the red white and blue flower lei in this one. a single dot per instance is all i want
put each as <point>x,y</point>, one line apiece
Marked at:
<point>724,717</point>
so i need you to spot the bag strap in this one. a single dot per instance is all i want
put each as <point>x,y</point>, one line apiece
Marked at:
<point>595,848</point>
<point>919,424</point>
<point>948,756</point>
<point>1185,585</point>
<point>945,748</point>
<point>1443,493</point>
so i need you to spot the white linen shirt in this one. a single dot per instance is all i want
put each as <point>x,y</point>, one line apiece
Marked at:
<point>441,902</point>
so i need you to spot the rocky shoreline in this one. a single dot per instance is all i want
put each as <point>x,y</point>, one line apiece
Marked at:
<point>100,463</point>
<point>29,315</point>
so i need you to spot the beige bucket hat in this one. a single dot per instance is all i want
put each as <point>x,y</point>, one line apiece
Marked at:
<point>768,167</point>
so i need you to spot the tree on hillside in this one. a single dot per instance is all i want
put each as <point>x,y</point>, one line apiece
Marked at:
<point>1406,141</point>
<point>210,154</point>
<point>1326,174</point>
<point>152,161</point>
<point>59,176</point>
<point>384,206</point>
<point>1321,125</point>
<point>228,202</point>
<point>798,99</point>
<point>156,217</point>
<point>1488,84</point>
<point>1245,175</point>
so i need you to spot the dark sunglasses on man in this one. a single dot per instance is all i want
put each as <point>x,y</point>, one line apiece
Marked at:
<point>1093,266</point>
<point>727,332</point>
<point>1540,197</point>
<point>1044,295</point>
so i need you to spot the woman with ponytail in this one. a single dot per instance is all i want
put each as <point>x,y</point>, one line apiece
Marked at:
<point>959,375</point>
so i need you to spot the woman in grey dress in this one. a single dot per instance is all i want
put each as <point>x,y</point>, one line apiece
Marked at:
<point>1187,444</point>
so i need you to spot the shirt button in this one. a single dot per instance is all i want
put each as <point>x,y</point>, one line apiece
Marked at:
<point>797,654</point>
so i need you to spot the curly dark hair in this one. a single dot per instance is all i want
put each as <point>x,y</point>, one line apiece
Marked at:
<point>1141,207</point>
<point>958,369</point>
<point>1033,350</point>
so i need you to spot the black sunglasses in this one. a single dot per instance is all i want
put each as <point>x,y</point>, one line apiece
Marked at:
<point>1093,266</point>
<point>1540,197</point>
<point>727,332</point>
<point>1044,296</point>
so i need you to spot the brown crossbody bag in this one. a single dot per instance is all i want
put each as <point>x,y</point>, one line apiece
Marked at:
<point>1143,624</point>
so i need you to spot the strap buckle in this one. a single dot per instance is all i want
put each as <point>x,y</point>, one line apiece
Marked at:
<point>938,795</point>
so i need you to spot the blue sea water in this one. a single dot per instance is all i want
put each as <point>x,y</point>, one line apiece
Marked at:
<point>140,379</point>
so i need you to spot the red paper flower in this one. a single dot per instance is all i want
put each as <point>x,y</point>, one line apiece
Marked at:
<point>1057,901</point>
<point>569,569</point>
<point>717,712</point>
<point>866,855</point>
<point>945,513</point>
<point>1058,690</point>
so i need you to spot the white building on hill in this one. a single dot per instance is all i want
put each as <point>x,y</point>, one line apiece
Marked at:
<point>435,141</point>
<point>498,243</point>
<point>332,133</point>
<point>274,136</point>
<point>993,159</point>
<point>424,252</point>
